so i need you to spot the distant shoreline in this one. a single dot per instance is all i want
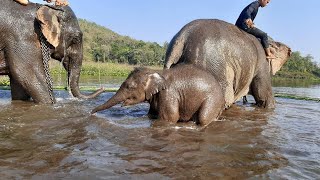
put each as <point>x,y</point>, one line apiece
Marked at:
<point>123,70</point>
<point>94,69</point>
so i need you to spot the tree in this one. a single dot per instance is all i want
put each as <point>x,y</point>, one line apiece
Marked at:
<point>298,63</point>
<point>103,45</point>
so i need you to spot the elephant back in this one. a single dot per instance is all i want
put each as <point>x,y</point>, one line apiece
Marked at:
<point>221,48</point>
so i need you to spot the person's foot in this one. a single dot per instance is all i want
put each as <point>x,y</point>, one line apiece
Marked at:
<point>23,2</point>
<point>269,55</point>
<point>61,3</point>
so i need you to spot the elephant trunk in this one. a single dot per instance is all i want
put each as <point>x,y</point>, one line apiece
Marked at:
<point>73,80</point>
<point>114,100</point>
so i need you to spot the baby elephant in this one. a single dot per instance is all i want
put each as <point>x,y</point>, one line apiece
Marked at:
<point>181,93</point>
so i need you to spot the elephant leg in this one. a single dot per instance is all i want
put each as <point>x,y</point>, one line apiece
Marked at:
<point>245,100</point>
<point>17,91</point>
<point>229,90</point>
<point>27,70</point>
<point>261,90</point>
<point>152,114</point>
<point>153,110</point>
<point>169,113</point>
<point>209,111</point>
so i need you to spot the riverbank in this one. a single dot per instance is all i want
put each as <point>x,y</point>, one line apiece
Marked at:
<point>123,70</point>
<point>296,75</point>
<point>102,69</point>
<point>88,69</point>
<point>96,69</point>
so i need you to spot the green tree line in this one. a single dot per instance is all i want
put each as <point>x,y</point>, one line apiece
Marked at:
<point>300,67</point>
<point>104,45</point>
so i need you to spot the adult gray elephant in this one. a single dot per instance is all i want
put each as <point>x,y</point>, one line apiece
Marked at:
<point>184,93</point>
<point>235,58</point>
<point>31,35</point>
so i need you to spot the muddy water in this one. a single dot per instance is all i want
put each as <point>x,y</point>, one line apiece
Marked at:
<point>65,141</point>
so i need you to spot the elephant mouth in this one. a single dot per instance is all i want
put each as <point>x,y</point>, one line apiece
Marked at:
<point>129,102</point>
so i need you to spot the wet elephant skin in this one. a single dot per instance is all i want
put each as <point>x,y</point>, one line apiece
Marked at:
<point>24,30</point>
<point>235,58</point>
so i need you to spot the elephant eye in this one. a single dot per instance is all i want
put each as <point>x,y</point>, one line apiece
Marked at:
<point>131,85</point>
<point>76,40</point>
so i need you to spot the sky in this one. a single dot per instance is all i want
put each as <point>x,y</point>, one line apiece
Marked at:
<point>292,22</point>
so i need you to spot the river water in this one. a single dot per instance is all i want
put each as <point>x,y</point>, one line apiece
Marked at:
<point>63,141</point>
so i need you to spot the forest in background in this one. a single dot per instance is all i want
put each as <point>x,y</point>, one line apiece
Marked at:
<point>103,45</point>
<point>300,67</point>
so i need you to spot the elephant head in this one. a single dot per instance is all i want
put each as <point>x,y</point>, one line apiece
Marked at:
<point>282,53</point>
<point>60,28</point>
<point>140,86</point>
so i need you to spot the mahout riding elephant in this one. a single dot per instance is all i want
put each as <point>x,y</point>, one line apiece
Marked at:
<point>30,36</point>
<point>235,58</point>
<point>182,93</point>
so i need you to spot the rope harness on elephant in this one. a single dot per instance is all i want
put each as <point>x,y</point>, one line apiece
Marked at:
<point>46,55</point>
<point>45,49</point>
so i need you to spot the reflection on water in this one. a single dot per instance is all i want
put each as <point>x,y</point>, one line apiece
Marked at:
<point>92,81</point>
<point>311,92</point>
<point>294,83</point>
<point>65,141</point>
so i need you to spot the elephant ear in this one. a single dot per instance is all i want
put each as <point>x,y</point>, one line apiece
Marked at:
<point>282,53</point>
<point>49,24</point>
<point>155,83</point>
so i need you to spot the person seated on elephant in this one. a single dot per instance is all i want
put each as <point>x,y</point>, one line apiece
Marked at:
<point>245,22</point>
<point>57,2</point>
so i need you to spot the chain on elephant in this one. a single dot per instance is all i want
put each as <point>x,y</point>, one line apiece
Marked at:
<point>45,49</point>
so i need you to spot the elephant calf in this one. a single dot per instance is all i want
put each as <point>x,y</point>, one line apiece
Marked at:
<point>182,93</point>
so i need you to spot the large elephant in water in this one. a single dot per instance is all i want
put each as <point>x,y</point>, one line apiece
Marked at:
<point>30,36</point>
<point>235,58</point>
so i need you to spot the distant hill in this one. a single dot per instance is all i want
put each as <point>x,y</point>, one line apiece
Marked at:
<point>103,45</point>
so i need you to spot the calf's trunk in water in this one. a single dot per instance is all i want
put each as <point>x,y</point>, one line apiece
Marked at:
<point>114,100</point>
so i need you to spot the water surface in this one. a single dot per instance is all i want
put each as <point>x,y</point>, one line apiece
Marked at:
<point>65,141</point>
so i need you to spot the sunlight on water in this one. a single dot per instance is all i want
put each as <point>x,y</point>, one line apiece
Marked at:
<point>178,127</point>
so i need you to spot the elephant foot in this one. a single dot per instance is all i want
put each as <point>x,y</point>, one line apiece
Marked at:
<point>245,100</point>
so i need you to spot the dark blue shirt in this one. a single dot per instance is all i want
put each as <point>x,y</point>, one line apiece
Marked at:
<point>248,12</point>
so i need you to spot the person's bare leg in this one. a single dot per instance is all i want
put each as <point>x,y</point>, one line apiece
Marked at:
<point>23,2</point>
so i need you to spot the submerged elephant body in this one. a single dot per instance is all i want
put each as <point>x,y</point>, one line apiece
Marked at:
<point>235,58</point>
<point>182,93</point>
<point>31,35</point>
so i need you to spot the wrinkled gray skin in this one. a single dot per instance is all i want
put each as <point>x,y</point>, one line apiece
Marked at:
<point>235,58</point>
<point>20,51</point>
<point>181,93</point>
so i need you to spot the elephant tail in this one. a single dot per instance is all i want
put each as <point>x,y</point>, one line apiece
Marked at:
<point>175,49</point>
